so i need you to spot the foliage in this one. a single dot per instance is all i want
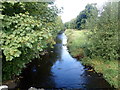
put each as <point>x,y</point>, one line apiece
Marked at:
<point>104,28</point>
<point>12,8</point>
<point>81,20</point>
<point>105,33</point>
<point>78,44</point>
<point>59,23</point>
<point>101,43</point>
<point>90,11</point>
<point>71,24</point>
<point>26,33</point>
<point>108,68</point>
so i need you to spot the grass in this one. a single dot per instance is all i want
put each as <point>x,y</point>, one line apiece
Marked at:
<point>77,42</point>
<point>109,69</point>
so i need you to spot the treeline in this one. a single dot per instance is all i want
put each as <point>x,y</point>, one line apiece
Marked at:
<point>80,21</point>
<point>27,30</point>
<point>103,25</point>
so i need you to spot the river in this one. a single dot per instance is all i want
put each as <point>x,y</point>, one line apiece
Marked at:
<point>59,70</point>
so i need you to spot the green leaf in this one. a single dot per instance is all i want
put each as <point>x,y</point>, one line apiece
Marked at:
<point>29,45</point>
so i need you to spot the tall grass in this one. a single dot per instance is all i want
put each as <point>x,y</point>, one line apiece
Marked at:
<point>78,42</point>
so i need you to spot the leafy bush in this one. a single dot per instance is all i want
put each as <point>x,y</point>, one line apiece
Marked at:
<point>105,33</point>
<point>25,35</point>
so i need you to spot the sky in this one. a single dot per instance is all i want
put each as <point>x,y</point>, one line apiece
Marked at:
<point>73,7</point>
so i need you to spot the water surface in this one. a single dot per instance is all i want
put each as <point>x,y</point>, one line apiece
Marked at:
<point>58,70</point>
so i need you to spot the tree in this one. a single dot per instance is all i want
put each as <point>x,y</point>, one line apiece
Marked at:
<point>27,30</point>
<point>71,24</point>
<point>90,11</point>
<point>105,33</point>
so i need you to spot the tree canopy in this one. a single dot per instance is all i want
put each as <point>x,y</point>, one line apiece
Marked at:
<point>27,30</point>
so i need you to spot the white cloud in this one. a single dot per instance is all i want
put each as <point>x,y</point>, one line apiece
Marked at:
<point>73,7</point>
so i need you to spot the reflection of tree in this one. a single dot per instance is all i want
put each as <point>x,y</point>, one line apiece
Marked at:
<point>58,51</point>
<point>38,73</point>
<point>59,47</point>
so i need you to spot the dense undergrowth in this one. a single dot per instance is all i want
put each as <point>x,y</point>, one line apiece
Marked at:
<point>78,43</point>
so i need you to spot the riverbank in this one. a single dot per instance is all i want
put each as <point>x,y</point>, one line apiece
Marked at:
<point>77,44</point>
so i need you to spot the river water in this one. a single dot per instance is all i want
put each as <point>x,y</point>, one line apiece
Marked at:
<point>59,70</point>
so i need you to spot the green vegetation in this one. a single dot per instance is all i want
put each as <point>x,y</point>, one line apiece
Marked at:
<point>98,42</point>
<point>80,21</point>
<point>28,29</point>
<point>108,68</point>
<point>78,44</point>
<point>78,40</point>
<point>105,33</point>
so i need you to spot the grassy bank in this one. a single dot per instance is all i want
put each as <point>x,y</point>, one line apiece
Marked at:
<point>78,41</point>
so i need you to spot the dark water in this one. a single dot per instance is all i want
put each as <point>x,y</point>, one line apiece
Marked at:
<point>58,70</point>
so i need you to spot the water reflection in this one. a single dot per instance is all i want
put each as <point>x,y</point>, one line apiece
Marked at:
<point>67,70</point>
<point>59,70</point>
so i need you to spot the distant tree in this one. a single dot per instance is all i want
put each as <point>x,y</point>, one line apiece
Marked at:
<point>89,11</point>
<point>85,16</point>
<point>71,24</point>
<point>59,23</point>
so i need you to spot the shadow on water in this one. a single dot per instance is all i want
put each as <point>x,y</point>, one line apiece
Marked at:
<point>59,70</point>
